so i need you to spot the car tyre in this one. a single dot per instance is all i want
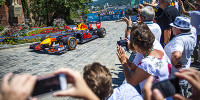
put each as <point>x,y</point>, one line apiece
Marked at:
<point>101,32</point>
<point>71,42</point>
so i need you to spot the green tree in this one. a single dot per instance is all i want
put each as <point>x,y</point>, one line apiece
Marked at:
<point>26,8</point>
<point>1,2</point>
<point>44,11</point>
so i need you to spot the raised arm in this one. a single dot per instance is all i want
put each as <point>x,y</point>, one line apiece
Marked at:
<point>182,8</point>
<point>129,25</point>
<point>191,5</point>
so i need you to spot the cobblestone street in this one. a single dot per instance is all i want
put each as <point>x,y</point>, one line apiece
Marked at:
<point>21,59</point>
<point>103,50</point>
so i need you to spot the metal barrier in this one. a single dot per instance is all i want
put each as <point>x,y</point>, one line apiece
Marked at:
<point>95,17</point>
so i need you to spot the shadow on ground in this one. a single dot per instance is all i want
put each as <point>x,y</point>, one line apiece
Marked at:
<point>120,77</point>
<point>46,52</point>
<point>120,73</point>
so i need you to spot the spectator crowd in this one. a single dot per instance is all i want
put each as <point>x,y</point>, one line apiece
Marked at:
<point>163,41</point>
<point>114,12</point>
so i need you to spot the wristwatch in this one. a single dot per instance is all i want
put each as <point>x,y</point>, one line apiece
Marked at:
<point>128,27</point>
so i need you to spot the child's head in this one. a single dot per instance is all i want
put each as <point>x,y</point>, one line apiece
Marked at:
<point>99,79</point>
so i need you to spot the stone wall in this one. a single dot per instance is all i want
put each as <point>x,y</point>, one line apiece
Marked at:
<point>6,12</point>
<point>4,15</point>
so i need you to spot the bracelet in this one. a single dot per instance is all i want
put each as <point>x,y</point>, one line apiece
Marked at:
<point>128,27</point>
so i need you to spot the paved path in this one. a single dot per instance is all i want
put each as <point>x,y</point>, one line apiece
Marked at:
<point>103,50</point>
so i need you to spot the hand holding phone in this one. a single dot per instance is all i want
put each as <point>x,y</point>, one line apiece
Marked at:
<point>17,87</point>
<point>79,87</point>
<point>50,83</point>
<point>168,87</point>
<point>157,90</point>
<point>191,75</point>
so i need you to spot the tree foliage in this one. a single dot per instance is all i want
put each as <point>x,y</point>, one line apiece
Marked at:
<point>1,2</point>
<point>45,11</point>
<point>26,8</point>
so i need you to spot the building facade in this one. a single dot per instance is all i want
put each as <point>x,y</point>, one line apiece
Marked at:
<point>11,13</point>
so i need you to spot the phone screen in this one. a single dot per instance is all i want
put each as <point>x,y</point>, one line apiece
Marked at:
<point>47,85</point>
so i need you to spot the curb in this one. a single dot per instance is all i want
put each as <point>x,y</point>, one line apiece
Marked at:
<point>16,46</point>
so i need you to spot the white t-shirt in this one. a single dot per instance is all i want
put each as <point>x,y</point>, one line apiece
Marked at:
<point>155,29</point>
<point>185,43</point>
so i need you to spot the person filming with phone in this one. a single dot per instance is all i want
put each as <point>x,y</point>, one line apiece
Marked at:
<point>20,87</point>
<point>152,61</point>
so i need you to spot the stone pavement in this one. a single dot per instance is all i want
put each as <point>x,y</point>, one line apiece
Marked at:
<point>20,59</point>
<point>23,60</point>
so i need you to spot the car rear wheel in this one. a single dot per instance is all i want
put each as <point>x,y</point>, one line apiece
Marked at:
<point>101,32</point>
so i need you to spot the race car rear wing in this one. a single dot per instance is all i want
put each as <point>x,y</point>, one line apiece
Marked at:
<point>98,24</point>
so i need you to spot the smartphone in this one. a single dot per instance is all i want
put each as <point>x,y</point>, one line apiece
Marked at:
<point>49,84</point>
<point>168,87</point>
<point>123,44</point>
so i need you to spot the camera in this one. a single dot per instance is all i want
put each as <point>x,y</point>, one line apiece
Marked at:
<point>49,84</point>
<point>123,44</point>
<point>168,87</point>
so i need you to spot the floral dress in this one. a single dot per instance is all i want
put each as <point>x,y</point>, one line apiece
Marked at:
<point>158,67</point>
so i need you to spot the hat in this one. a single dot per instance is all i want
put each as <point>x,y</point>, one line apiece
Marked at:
<point>181,23</point>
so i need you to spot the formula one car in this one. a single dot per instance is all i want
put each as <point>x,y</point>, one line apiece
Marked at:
<point>68,41</point>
